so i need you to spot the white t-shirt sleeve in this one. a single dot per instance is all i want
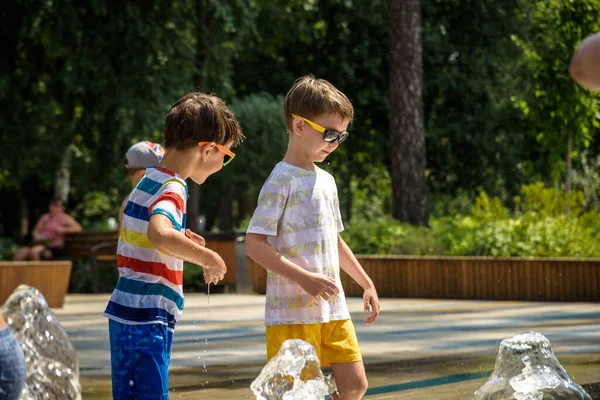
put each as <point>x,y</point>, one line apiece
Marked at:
<point>271,203</point>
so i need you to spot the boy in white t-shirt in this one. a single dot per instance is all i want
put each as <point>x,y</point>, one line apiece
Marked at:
<point>294,234</point>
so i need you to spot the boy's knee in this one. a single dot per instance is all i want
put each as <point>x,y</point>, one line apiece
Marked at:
<point>361,386</point>
<point>353,389</point>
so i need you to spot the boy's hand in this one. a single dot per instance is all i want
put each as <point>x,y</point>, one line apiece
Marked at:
<point>195,237</point>
<point>371,302</point>
<point>215,269</point>
<point>320,286</point>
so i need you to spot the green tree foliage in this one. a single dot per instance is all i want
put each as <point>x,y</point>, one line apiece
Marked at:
<point>91,77</point>
<point>553,105</point>
<point>473,134</point>
<point>344,42</point>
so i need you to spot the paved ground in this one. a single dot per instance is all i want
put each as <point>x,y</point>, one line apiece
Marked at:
<point>419,349</point>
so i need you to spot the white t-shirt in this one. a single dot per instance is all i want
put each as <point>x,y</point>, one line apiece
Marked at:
<point>299,211</point>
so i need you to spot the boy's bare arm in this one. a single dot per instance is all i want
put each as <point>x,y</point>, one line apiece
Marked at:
<point>317,285</point>
<point>175,244</point>
<point>352,267</point>
<point>585,65</point>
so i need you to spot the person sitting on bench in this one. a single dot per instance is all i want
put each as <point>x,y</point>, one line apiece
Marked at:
<point>49,234</point>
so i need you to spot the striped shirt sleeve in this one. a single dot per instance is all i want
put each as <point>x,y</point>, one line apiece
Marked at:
<point>170,202</point>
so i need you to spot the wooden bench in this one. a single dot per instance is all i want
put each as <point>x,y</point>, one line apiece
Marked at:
<point>101,247</point>
<point>96,246</point>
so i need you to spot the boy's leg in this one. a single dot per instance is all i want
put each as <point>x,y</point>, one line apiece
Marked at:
<point>140,361</point>
<point>351,381</point>
<point>341,351</point>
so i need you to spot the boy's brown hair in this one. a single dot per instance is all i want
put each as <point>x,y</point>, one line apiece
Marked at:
<point>311,97</point>
<point>199,117</point>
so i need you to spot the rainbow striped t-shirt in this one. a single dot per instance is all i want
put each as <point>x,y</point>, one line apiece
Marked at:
<point>150,288</point>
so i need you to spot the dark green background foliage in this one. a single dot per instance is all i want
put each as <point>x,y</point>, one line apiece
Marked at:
<point>82,80</point>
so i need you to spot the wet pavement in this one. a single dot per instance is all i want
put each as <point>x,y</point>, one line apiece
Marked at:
<point>418,349</point>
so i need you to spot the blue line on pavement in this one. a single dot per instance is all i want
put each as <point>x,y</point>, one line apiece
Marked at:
<point>427,383</point>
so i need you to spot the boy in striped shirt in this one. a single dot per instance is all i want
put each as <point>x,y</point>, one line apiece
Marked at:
<point>153,244</point>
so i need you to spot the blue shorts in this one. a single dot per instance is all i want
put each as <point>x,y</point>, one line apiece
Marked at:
<point>12,366</point>
<point>140,357</point>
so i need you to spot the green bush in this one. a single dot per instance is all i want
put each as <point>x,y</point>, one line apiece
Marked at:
<point>547,202</point>
<point>372,192</point>
<point>95,209</point>
<point>8,248</point>
<point>541,228</point>
<point>193,278</point>
<point>527,237</point>
<point>446,205</point>
<point>588,180</point>
<point>385,235</point>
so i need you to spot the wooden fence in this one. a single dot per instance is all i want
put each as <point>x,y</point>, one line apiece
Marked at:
<point>484,278</point>
<point>51,278</point>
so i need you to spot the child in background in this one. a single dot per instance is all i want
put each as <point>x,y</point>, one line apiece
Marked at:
<point>140,156</point>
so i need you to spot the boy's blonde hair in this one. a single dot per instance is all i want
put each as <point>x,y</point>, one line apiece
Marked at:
<point>311,97</point>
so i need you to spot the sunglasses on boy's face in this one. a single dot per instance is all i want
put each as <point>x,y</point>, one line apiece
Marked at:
<point>228,153</point>
<point>328,135</point>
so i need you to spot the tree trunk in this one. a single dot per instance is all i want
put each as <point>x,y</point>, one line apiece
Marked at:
<point>62,183</point>
<point>409,183</point>
<point>568,172</point>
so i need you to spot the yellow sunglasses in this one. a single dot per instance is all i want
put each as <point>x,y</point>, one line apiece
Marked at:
<point>328,134</point>
<point>228,153</point>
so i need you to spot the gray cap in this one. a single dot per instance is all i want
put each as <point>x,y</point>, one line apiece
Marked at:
<point>143,155</point>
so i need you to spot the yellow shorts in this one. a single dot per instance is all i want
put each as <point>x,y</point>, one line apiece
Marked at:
<point>335,341</point>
